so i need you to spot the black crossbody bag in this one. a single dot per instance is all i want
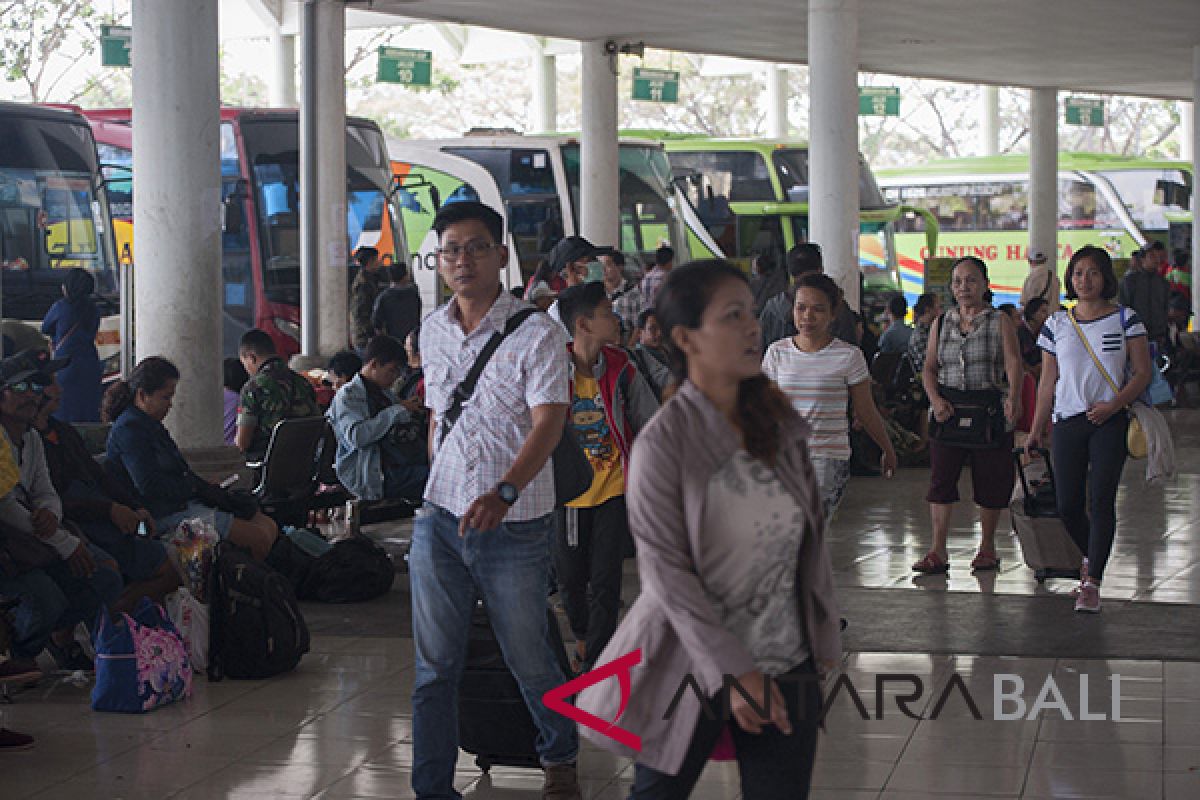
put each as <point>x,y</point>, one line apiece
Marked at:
<point>572,471</point>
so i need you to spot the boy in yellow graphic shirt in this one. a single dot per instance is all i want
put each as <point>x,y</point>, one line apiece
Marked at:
<point>610,403</point>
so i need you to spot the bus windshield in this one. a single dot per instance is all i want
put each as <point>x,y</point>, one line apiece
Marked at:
<point>1150,194</point>
<point>272,149</point>
<point>647,216</point>
<point>51,218</point>
<point>792,165</point>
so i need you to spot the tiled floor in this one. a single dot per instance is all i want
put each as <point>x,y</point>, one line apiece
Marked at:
<point>340,726</point>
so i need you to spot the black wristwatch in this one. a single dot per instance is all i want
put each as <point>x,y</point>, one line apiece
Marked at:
<point>508,493</point>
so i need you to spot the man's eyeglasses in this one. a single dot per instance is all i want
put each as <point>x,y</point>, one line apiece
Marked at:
<point>25,387</point>
<point>471,249</point>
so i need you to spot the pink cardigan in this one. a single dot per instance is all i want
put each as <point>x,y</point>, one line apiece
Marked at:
<point>673,622</point>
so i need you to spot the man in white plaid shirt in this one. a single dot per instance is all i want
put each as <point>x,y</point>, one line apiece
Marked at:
<point>625,295</point>
<point>664,260</point>
<point>484,531</point>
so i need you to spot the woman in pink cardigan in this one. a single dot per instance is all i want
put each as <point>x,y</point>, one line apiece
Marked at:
<point>736,576</point>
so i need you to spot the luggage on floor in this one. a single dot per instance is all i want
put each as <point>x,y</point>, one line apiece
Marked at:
<point>354,570</point>
<point>494,723</point>
<point>256,629</point>
<point>1047,547</point>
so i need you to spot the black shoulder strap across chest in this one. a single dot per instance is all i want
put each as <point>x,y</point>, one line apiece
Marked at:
<point>462,392</point>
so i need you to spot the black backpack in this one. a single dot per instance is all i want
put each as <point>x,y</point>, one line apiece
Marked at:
<point>255,626</point>
<point>353,571</point>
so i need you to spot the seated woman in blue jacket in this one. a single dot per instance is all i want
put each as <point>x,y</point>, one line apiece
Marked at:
<point>142,454</point>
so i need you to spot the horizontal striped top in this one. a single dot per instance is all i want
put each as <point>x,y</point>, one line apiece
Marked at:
<point>818,384</point>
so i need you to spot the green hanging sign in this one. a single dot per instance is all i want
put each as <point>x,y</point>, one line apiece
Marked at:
<point>656,85</point>
<point>879,101</point>
<point>404,66</point>
<point>116,45</point>
<point>1087,111</point>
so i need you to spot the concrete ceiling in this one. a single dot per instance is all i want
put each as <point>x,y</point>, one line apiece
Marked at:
<point>1136,47</point>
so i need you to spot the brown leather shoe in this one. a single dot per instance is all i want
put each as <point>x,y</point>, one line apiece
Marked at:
<point>562,783</point>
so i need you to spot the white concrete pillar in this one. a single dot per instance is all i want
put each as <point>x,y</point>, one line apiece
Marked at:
<point>333,310</point>
<point>1195,143</point>
<point>544,111</point>
<point>599,213</point>
<point>283,79</point>
<point>176,157</point>
<point>990,129</point>
<point>1187,131</point>
<point>777,102</point>
<point>833,138</point>
<point>1043,172</point>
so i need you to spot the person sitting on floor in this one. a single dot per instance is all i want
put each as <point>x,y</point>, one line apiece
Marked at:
<point>273,393</point>
<point>381,452</point>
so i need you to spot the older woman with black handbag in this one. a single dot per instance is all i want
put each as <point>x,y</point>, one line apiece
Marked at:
<point>972,375</point>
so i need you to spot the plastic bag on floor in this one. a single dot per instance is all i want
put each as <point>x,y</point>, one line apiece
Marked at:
<point>190,547</point>
<point>191,620</point>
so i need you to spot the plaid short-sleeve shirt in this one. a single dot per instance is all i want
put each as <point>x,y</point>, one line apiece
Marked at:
<point>529,369</point>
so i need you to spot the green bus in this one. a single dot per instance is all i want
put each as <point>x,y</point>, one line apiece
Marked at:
<point>752,198</point>
<point>535,180</point>
<point>982,209</point>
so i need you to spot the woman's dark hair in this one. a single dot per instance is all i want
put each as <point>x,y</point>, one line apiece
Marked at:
<point>761,406</point>
<point>924,303</point>
<point>644,316</point>
<point>1102,260</point>
<point>980,265</point>
<point>822,283</point>
<point>235,374</point>
<point>415,333</point>
<point>78,285</point>
<point>150,375</point>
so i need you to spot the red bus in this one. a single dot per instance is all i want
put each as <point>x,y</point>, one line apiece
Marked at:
<point>260,190</point>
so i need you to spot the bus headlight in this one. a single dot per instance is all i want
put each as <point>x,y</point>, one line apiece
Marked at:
<point>287,327</point>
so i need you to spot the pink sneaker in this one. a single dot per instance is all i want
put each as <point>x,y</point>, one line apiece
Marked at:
<point>1088,599</point>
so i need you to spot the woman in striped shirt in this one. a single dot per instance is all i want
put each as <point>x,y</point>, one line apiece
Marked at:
<point>819,374</point>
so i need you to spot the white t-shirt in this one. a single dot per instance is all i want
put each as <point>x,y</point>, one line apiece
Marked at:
<point>1080,385</point>
<point>818,384</point>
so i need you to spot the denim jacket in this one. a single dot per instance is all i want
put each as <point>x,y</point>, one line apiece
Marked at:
<point>142,455</point>
<point>360,437</point>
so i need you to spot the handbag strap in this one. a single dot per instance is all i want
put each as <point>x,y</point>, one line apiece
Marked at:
<point>1088,346</point>
<point>462,393</point>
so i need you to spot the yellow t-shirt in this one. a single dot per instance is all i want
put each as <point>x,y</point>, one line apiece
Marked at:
<point>591,427</point>
<point>9,475</point>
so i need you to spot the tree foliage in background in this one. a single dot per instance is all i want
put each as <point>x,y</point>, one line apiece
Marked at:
<point>33,32</point>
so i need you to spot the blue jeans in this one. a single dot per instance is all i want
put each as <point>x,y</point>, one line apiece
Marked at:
<point>86,596</point>
<point>508,568</point>
<point>42,605</point>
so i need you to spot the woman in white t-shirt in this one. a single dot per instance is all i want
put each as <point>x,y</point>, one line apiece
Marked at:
<point>819,374</point>
<point>1090,420</point>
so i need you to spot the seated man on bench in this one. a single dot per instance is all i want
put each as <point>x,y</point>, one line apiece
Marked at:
<point>382,452</point>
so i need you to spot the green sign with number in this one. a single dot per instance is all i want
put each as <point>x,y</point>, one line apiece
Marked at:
<point>879,101</point>
<point>116,44</point>
<point>409,67</point>
<point>1087,111</point>
<point>656,85</point>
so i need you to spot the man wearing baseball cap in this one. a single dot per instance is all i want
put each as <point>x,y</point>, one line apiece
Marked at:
<point>85,575</point>
<point>1042,281</point>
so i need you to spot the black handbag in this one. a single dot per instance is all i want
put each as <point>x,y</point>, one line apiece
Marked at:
<point>977,423</point>
<point>572,470</point>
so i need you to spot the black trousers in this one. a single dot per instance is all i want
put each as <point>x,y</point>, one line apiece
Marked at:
<point>589,548</point>
<point>1087,470</point>
<point>772,766</point>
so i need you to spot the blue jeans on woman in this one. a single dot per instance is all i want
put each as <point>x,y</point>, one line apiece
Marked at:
<point>42,604</point>
<point>508,568</point>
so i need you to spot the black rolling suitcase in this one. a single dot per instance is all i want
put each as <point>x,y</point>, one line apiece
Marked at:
<point>1047,547</point>
<point>494,724</point>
